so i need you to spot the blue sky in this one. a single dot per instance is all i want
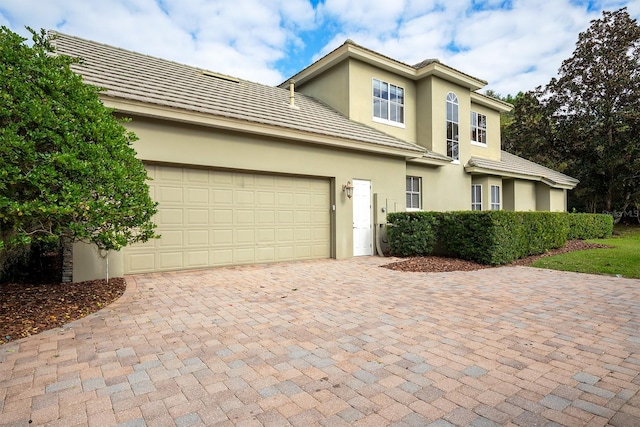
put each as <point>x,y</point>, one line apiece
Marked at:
<point>513,44</point>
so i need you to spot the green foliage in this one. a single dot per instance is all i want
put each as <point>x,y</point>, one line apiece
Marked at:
<point>622,259</point>
<point>586,122</point>
<point>412,233</point>
<point>487,237</point>
<point>589,226</point>
<point>67,167</point>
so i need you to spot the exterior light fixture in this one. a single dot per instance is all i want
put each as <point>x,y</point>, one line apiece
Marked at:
<point>348,188</point>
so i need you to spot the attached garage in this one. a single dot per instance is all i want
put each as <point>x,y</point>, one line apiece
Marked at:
<point>209,218</point>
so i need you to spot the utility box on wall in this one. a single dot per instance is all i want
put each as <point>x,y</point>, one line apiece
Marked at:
<point>381,207</point>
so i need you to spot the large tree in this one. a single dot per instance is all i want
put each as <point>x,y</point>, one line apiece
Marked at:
<point>586,122</point>
<point>67,167</point>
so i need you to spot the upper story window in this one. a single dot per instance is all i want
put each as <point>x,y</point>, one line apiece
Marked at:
<point>388,103</point>
<point>453,144</point>
<point>476,197</point>
<point>478,128</point>
<point>414,187</point>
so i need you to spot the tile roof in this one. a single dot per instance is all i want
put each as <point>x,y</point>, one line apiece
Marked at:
<point>134,76</point>
<point>510,163</point>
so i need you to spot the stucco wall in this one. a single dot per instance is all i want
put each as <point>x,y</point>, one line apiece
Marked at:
<point>187,145</point>
<point>492,149</point>
<point>330,87</point>
<point>361,77</point>
<point>447,188</point>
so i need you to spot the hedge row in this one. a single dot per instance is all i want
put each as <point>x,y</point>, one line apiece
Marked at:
<point>589,226</point>
<point>490,237</point>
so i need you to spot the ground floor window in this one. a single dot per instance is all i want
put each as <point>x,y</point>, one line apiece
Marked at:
<point>414,188</point>
<point>476,197</point>
<point>495,197</point>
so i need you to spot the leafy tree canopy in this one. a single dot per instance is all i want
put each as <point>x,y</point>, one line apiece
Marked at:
<point>586,122</point>
<point>67,167</point>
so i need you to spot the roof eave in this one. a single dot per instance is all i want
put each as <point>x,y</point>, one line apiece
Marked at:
<point>142,109</point>
<point>429,161</point>
<point>492,103</point>
<point>478,170</point>
<point>351,50</point>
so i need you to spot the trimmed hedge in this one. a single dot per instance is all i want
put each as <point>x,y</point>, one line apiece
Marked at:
<point>488,237</point>
<point>413,233</point>
<point>589,226</point>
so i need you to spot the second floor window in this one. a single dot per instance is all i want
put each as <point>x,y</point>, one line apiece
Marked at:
<point>388,102</point>
<point>453,144</point>
<point>478,128</point>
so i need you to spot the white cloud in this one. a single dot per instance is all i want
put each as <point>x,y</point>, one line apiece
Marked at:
<point>514,48</point>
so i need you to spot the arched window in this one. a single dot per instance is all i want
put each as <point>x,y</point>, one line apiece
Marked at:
<point>453,139</point>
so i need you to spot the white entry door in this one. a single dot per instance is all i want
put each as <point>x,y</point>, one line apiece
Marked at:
<point>362,231</point>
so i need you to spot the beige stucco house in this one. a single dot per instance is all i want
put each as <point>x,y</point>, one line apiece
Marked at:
<point>248,173</point>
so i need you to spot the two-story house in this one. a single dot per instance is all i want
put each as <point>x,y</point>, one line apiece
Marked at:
<point>249,173</point>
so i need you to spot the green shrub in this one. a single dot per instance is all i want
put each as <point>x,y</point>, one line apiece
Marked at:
<point>487,237</point>
<point>412,233</point>
<point>589,226</point>
<point>544,231</point>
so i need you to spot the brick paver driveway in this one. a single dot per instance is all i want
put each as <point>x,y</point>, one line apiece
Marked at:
<point>339,343</point>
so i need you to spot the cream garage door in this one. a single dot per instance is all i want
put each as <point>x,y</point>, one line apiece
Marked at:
<point>213,218</point>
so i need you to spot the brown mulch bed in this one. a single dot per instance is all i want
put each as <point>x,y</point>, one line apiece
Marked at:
<point>26,310</point>
<point>436,264</point>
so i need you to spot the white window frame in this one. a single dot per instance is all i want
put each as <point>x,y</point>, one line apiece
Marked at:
<point>476,193</point>
<point>478,129</point>
<point>495,197</point>
<point>388,104</point>
<point>411,192</point>
<point>453,127</point>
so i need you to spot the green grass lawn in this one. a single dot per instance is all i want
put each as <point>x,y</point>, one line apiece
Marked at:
<point>622,259</point>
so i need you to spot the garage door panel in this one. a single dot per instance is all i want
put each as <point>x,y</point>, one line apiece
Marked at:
<point>197,217</point>
<point>222,237</point>
<point>167,174</point>
<point>197,175</point>
<point>168,216</point>
<point>197,195</point>
<point>265,254</point>
<point>266,199</point>
<point>285,235</point>
<point>222,217</point>
<point>196,259</point>
<point>197,238</point>
<point>140,263</point>
<point>244,197</point>
<point>219,257</point>
<point>214,218</point>
<point>247,236</point>
<point>244,255</point>
<point>173,195</point>
<point>170,238</point>
<point>302,217</point>
<point>244,217</point>
<point>223,197</point>
<point>266,235</point>
<point>170,260</point>
<point>266,217</point>
<point>284,253</point>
